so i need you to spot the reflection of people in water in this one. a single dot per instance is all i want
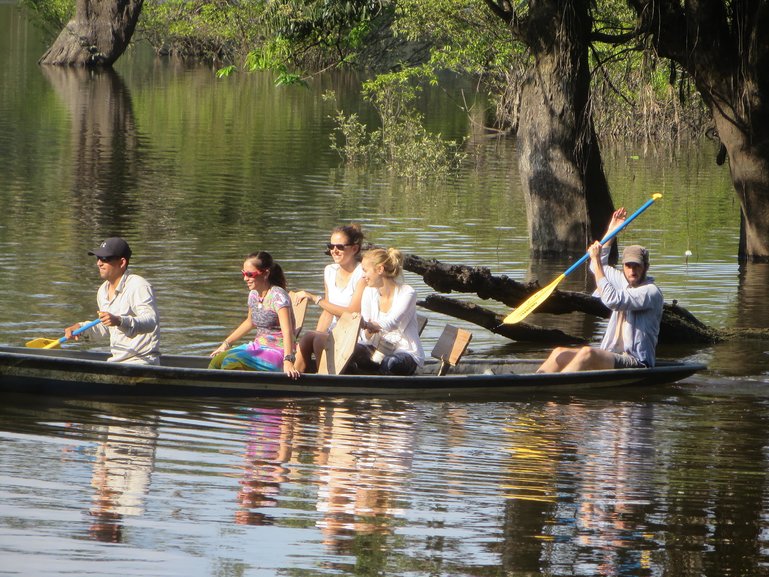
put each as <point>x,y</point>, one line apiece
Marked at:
<point>267,452</point>
<point>359,463</point>
<point>364,462</point>
<point>615,454</point>
<point>121,477</point>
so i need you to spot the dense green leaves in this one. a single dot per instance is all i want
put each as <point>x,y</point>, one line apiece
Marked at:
<point>51,15</point>
<point>401,142</point>
<point>634,91</point>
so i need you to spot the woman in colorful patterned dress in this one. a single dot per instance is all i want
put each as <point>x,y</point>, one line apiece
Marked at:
<point>270,313</point>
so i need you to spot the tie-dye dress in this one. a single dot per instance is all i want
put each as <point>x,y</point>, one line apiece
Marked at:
<point>266,351</point>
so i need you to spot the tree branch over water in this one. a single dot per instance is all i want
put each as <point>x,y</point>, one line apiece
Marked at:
<point>678,324</point>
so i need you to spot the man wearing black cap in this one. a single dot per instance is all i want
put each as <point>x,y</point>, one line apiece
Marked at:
<point>127,307</point>
<point>636,304</point>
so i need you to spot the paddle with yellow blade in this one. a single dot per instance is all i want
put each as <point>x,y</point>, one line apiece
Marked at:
<point>52,344</point>
<point>527,307</point>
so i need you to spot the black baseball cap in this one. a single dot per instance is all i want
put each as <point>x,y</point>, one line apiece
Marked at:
<point>113,247</point>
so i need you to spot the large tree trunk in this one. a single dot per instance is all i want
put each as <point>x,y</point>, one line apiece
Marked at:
<point>722,45</point>
<point>567,196</point>
<point>749,166</point>
<point>97,36</point>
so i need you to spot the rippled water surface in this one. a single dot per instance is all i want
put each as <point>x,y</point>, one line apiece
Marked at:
<point>196,172</point>
<point>637,484</point>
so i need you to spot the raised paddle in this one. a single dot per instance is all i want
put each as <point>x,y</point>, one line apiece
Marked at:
<point>52,344</point>
<point>528,306</point>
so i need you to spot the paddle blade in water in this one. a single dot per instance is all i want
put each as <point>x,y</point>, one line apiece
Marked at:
<point>526,308</point>
<point>43,344</point>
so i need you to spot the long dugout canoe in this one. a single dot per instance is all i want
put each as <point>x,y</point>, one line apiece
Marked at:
<point>76,372</point>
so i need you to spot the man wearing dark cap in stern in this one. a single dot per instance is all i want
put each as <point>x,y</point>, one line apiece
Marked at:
<point>127,307</point>
<point>636,304</point>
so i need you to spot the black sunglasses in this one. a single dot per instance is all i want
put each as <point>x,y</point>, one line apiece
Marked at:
<point>107,258</point>
<point>332,246</point>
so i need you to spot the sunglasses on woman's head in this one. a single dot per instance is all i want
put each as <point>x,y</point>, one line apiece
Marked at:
<point>332,246</point>
<point>252,273</point>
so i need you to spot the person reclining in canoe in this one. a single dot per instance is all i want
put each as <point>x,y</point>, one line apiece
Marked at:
<point>389,338</point>
<point>636,304</point>
<point>270,313</point>
<point>127,308</point>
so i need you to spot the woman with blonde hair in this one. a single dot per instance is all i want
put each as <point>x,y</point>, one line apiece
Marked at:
<point>389,340</point>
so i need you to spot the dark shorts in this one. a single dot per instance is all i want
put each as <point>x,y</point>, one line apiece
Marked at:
<point>626,361</point>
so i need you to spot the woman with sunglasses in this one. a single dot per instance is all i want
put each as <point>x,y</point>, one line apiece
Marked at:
<point>343,281</point>
<point>271,314</point>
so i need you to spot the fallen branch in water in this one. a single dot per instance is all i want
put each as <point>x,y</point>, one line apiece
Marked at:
<point>492,321</point>
<point>678,324</point>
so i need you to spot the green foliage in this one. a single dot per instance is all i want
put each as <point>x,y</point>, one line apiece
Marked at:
<point>464,34</point>
<point>401,142</point>
<point>297,35</point>
<point>357,146</point>
<point>467,38</point>
<point>50,15</point>
<point>225,72</point>
<point>216,30</point>
<point>273,56</point>
<point>393,94</point>
<point>635,93</point>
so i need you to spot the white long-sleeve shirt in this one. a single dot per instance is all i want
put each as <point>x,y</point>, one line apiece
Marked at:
<point>137,339</point>
<point>399,324</point>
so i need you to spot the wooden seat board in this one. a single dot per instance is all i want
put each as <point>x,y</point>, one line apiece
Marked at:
<point>300,311</point>
<point>340,345</point>
<point>450,347</point>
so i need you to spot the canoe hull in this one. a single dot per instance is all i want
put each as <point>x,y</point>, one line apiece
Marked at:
<point>66,372</point>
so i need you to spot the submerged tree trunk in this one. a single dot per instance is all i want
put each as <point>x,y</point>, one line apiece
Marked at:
<point>567,197</point>
<point>97,35</point>
<point>722,45</point>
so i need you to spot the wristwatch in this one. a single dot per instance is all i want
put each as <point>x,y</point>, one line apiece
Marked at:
<point>291,357</point>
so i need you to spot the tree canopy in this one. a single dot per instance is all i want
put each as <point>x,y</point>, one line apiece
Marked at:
<point>562,73</point>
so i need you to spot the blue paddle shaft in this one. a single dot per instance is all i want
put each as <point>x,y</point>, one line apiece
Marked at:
<point>613,233</point>
<point>84,328</point>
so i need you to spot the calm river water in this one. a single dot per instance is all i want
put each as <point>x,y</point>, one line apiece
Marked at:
<point>196,172</point>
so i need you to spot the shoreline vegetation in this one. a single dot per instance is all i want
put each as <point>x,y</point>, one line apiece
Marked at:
<point>634,95</point>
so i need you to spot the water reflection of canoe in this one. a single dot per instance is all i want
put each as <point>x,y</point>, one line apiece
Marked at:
<point>70,372</point>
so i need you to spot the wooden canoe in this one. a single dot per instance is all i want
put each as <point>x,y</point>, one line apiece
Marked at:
<point>76,372</point>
